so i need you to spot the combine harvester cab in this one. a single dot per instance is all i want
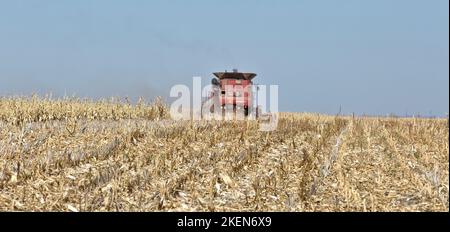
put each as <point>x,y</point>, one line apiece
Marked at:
<point>234,92</point>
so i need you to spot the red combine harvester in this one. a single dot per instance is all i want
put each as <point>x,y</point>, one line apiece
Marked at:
<point>233,91</point>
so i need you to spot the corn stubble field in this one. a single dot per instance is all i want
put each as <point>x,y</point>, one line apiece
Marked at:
<point>80,155</point>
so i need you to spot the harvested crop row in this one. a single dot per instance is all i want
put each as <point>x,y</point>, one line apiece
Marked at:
<point>132,162</point>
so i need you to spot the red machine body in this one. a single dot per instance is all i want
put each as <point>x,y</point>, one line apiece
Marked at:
<point>235,88</point>
<point>238,94</point>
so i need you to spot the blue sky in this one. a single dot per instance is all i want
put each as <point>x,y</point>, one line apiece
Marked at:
<point>366,56</point>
